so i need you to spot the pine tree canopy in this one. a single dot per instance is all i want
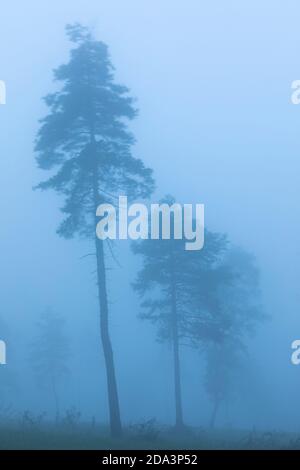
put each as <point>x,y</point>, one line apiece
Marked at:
<point>84,141</point>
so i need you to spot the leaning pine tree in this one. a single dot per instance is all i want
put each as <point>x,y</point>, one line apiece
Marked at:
<point>86,140</point>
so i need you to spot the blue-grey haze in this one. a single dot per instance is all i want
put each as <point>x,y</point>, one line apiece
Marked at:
<point>213,85</point>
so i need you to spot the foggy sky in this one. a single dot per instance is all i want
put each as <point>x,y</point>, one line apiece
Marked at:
<point>213,83</point>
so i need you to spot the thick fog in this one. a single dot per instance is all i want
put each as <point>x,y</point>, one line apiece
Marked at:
<point>212,82</point>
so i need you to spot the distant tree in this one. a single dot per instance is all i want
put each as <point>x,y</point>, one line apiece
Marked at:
<point>86,138</point>
<point>225,364</point>
<point>232,312</point>
<point>49,353</point>
<point>167,282</point>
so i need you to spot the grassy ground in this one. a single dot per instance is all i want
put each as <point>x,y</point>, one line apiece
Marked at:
<point>20,437</point>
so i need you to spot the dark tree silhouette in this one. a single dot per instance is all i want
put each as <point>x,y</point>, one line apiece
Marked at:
<point>167,282</point>
<point>86,139</point>
<point>49,354</point>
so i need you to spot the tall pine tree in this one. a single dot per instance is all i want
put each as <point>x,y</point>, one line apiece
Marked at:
<point>85,138</point>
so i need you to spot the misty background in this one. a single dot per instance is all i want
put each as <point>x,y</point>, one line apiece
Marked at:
<point>216,124</point>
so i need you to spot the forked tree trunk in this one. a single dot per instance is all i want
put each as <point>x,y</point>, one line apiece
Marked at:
<point>176,357</point>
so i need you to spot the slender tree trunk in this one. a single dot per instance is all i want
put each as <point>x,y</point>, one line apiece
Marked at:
<point>176,357</point>
<point>214,414</point>
<point>113,399</point>
<point>112,389</point>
